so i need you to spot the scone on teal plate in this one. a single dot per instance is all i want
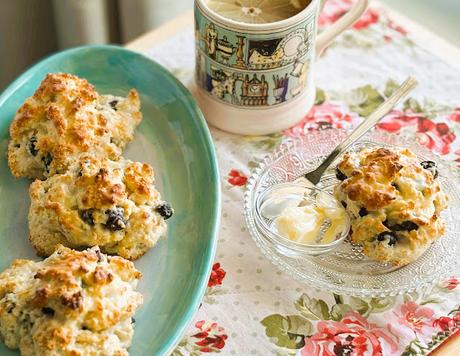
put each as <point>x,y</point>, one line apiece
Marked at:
<point>65,118</point>
<point>72,303</point>
<point>394,201</point>
<point>111,204</point>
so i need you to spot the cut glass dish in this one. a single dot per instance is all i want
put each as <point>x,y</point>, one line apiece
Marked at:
<point>346,270</point>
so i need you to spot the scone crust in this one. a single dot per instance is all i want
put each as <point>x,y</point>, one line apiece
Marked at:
<point>64,118</point>
<point>112,204</point>
<point>72,303</point>
<point>388,191</point>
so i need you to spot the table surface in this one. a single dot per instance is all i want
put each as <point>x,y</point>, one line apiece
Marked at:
<point>250,307</point>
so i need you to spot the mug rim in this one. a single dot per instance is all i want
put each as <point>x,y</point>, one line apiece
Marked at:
<point>238,25</point>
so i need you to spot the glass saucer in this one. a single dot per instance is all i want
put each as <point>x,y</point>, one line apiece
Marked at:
<point>270,205</point>
<point>346,270</point>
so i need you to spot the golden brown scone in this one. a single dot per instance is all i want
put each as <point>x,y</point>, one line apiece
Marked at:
<point>394,201</point>
<point>72,303</point>
<point>64,118</point>
<point>112,204</point>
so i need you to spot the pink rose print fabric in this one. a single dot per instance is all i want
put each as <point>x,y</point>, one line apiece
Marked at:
<point>411,320</point>
<point>324,116</point>
<point>436,136</point>
<point>237,178</point>
<point>335,9</point>
<point>451,283</point>
<point>217,275</point>
<point>210,337</point>
<point>455,116</point>
<point>353,335</point>
<point>374,23</point>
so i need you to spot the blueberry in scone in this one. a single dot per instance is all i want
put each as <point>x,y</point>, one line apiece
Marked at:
<point>112,204</point>
<point>64,118</point>
<point>72,303</point>
<point>394,201</point>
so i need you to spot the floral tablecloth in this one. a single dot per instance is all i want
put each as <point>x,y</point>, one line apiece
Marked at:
<point>250,307</point>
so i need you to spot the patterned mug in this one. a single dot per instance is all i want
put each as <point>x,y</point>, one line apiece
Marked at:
<point>258,78</point>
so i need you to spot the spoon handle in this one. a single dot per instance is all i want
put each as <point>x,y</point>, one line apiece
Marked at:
<point>365,126</point>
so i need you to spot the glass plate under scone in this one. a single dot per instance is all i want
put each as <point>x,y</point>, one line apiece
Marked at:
<point>350,268</point>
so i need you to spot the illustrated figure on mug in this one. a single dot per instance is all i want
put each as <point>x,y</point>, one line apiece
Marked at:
<point>261,53</point>
<point>211,37</point>
<point>281,88</point>
<point>265,54</point>
<point>226,49</point>
<point>254,92</point>
<point>300,71</point>
<point>240,52</point>
<point>222,84</point>
<point>278,52</point>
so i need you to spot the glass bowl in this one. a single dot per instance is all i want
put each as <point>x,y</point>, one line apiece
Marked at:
<point>346,270</point>
<point>270,204</point>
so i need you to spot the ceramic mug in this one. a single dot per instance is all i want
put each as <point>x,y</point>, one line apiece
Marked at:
<point>258,78</point>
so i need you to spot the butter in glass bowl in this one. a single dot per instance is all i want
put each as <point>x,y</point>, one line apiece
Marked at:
<point>316,221</point>
<point>300,220</point>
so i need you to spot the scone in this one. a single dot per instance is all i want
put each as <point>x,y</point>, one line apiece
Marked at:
<point>72,303</point>
<point>112,204</point>
<point>394,201</point>
<point>64,118</point>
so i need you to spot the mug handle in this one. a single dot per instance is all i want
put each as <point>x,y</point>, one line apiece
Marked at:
<point>325,38</point>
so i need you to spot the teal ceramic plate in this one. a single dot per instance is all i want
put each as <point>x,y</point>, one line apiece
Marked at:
<point>174,138</point>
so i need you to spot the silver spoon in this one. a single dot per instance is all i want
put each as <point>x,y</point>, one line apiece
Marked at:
<point>315,176</point>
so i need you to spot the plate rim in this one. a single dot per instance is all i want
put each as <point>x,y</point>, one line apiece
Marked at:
<point>189,101</point>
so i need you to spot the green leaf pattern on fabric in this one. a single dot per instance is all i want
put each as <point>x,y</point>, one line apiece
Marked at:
<point>412,105</point>
<point>311,308</point>
<point>338,311</point>
<point>366,100</point>
<point>390,87</point>
<point>321,96</point>
<point>360,305</point>
<point>284,331</point>
<point>287,331</point>
<point>379,305</point>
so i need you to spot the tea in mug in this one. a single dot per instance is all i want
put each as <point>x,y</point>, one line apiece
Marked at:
<point>257,11</point>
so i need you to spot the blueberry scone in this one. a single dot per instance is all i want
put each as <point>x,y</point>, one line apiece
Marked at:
<point>112,204</point>
<point>72,303</point>
<point>394,201</point>
<point>64,118</point>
